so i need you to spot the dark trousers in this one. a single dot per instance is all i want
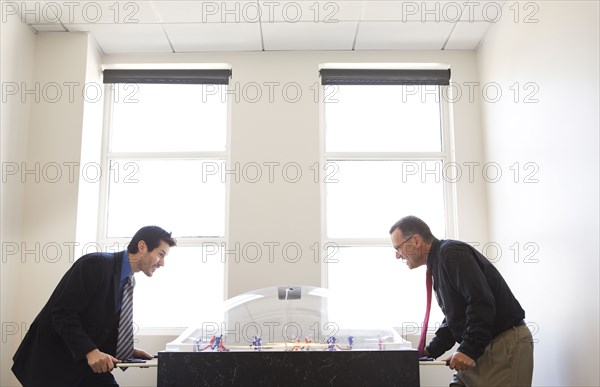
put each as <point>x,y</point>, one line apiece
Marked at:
<point>92,379</point>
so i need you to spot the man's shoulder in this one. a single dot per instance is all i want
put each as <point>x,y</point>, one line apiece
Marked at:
<point>457,254</point>
<point>454,245</point>
<point>453,251</point>
<point>98,259</point>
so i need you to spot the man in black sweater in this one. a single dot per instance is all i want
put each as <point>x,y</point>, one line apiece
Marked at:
<point>481,313</point>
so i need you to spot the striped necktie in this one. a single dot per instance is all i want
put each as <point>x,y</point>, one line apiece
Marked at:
<point>125,338</point>
<point>428,283</point>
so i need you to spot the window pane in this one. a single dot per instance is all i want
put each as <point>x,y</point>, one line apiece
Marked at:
<point>382,119</point>
<point>165,118</point>
<point>365,198</point>
<point>187,291</point>
<point>173,194</point>
<point>370,288</point>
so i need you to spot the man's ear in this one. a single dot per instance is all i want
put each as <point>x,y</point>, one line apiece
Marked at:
<point>418,240</point>
<point>142,247</point>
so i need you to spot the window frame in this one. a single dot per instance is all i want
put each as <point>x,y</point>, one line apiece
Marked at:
<point>115,244</point>
<point>445,155</point>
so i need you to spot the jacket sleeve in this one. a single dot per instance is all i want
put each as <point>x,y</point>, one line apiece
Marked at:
<point>441,342</point>
<point>467,277</point>
<point>77,289</point>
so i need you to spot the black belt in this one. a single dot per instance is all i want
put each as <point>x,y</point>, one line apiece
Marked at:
<point>518,324</point>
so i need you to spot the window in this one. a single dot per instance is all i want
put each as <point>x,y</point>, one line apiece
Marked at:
<point>165,131</point>
<point>386,145</point>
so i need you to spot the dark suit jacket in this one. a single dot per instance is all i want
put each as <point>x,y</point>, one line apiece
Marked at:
<point>79,317</point>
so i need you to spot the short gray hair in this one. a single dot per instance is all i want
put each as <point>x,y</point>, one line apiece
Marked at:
<point>411,225</point>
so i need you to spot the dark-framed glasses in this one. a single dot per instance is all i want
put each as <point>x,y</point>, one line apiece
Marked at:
<point>406,240</point>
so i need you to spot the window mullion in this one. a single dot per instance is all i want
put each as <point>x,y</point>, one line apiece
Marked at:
<point>384,155</point>
<point>167,155</point>
<point>105,160</point>
<point>371,242</point>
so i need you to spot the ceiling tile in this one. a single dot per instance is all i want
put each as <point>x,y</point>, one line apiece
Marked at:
<point>106,12</point>
<point>31,12</point>
<point>467,35</point>
<point>309,36</point>
<point>214,37</point>
<point>128,26</point>
<point>316,11</point>
<point>126,38</point>
<point>49,27</point>
<point>192,11</point>
<point>413,11</point>
<point>402,36</point>
<point>489,10</point>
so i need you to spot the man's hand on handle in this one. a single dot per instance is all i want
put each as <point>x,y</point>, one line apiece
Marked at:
<point>141,354</point>
<point>101,362</point>
<point>460,362</point>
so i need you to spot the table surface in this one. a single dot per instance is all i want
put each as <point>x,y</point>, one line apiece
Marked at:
<point>154,363</point>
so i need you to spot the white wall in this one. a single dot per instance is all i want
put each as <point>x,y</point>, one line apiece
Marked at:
<point>55,131</point>
<point>45,126</point>
<point>284,130</point>
<point>559,213</point>
<point>90,154</point>
<point>16,68</point>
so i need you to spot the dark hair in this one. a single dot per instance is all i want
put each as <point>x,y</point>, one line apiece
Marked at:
<point>152,235</point>
<point>411,225</point>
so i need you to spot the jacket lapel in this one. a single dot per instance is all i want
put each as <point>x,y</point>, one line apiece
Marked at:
<point>117,277</point>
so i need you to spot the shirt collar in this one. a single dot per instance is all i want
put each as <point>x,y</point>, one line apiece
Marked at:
<point>125,267</point>
<point>433,253</point>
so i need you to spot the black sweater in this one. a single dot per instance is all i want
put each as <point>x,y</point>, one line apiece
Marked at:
<point>476,301</point>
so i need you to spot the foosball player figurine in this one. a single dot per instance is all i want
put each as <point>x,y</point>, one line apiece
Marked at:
<point>296,346</point>
<point>217,342</point>
<point>256,343</point>
<point>307,341</point>
<point>331,340</point>
<point>222,346</point>
<point>210,344</point>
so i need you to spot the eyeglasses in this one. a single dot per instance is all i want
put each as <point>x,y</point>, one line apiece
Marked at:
<point>400,245</point>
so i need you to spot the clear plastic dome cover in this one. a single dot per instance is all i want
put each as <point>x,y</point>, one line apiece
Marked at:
<point>284,318</point>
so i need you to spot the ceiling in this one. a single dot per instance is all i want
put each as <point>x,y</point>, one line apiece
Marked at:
<point>180,26</point>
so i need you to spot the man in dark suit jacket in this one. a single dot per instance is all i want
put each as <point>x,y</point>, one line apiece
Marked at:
<point>73,340</point>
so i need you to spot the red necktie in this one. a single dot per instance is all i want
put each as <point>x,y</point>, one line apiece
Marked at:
<point>428,283</point>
